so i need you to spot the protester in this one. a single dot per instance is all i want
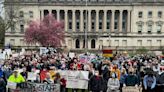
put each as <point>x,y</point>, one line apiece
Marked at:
<point>113,83</point>
<point>149,82</point>
<point>129,70</point>
<point>2,84</point>
<point>16,78</point>
<point>131,79</point>
<point>96,83</point>
<point>63,84</point>
<point>48,79</point>
<point>122,79</point>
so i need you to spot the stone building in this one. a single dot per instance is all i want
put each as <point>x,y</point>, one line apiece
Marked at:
<point>118,24</point>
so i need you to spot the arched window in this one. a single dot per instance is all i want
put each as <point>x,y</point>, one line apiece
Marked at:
<point>77,43</point>
<point>93,43</point>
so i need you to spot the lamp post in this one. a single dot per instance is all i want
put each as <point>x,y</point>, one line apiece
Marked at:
<point>86,27</point>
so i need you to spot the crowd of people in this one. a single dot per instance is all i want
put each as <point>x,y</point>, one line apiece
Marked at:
<point>105,75</point>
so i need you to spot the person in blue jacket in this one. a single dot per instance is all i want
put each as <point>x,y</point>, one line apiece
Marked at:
<point>2,82</point>
<point>149,82</point>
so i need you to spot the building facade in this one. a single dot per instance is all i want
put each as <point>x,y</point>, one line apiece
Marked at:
<point>94,24</point>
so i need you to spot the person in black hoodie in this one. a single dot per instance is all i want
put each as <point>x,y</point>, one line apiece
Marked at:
<point>96,83</point>
<point>131,79</point>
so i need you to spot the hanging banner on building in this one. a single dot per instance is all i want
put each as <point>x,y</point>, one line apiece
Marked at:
<point>76,79</point>
<point>39,87</point>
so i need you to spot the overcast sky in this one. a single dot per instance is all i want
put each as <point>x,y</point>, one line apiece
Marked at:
<point>1,10</point>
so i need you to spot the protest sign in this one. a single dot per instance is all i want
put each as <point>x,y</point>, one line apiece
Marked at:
<point>43,50</point>
<point>8,51</point>
<point>39,87</point>
<point>71,55</point>
<point>11,85</point>
<point>2,56</point>
<point>86,58</point>
<point>76,79</point>
<point>15,55</point>
<point>31,76</point>
<point>19,71</point>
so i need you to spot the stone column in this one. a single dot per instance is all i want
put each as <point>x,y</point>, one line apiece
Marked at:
<point>89,20</point>
<point>128,21</point>
<point>58,15</point>
<point>73,21</point>
<point>105,18</point>
<point>112,21</point>
<point>120,21</point>
<point>49,11</point>
<point>81,21</point>
<point>66,20</point>
<point>97,20</point>
<point>41,14</point>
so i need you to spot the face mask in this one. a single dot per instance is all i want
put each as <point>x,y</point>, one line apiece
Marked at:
<point>113,75</point>
<point>96,74</point>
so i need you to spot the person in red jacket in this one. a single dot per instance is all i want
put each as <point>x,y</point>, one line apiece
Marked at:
<point>63,84</point>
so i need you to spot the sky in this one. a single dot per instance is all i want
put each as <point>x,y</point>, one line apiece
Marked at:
<point>1,9</point>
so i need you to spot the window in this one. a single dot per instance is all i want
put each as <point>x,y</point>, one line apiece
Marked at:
<point>149,28</point>
<point>108,25</point>
<point>100,25</point>
<point>140,14</point>
<point>116,42</point>
<point>101,44</point>
<point>12,41</point>
<point>159,27</point>
<point>21,42</point>
<point>77,43</point>
<point>21,28</point>
<point>124,43</point>
<point>150,14</point>
<point>93,43</point>
<point>70,43</point>
<point>70,25</point>
<point>116,25</point>
<point>93,27</point>
<point>31,14</point>
<point>160,14</point>
<point>159,42</point>
<point>139,42</point>
<point>21,14</point>
<point>77,26</point>
<point>149,42</point>
<point>139,28</point>
<point>84,25</point>
<point>13,28</point>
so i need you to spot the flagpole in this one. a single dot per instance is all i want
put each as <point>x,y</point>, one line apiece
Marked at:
<point>86,27</point>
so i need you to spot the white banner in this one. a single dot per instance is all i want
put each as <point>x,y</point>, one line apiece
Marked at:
<point>76,79</point>
<point>11,85</point>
